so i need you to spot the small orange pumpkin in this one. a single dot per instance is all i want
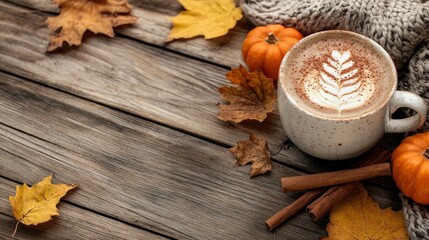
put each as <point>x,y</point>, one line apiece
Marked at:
<point>265,47</point>
<point>410,167</point>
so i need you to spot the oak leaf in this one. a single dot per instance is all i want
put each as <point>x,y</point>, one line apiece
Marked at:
<point>37,204</point>
<point>253,98</point>
<point>358,216</point>
<point>211,18</point>
<point>77,16</point>
<point>255,151</point>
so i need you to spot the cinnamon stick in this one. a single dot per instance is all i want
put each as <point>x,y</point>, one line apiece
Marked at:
<point>321,206</point>
<point>305,182</point>
<point>293,208</point>
<point>332,196</point>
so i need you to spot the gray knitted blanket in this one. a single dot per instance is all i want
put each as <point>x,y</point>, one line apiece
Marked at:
<point>416,217</point>
<point>401,27</point>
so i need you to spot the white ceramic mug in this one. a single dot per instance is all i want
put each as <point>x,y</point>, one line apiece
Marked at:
<point>336,139</point>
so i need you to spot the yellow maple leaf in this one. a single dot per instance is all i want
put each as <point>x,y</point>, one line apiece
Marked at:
<point>37,204</point>
<point>211,18</point>
<point>358,216</point>
<point>77,16</point>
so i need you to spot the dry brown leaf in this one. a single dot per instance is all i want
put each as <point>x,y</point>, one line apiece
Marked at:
<point>255,151</point>
<point>77,16</point>
<point>211,18</point>
<point>358,216</point>
<point>253,98</point>
<point>37,204</point>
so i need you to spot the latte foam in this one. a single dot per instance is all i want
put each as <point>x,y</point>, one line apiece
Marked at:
<point>337,76</point>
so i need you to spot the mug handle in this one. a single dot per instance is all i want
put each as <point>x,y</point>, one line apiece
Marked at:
<point>408,100</point>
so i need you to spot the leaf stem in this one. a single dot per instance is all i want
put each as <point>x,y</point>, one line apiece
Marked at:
<point>271,39</point>
<point>16,228</point>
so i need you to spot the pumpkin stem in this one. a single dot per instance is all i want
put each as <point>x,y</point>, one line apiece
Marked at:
<point>271,39</point>
<point>426,153</point>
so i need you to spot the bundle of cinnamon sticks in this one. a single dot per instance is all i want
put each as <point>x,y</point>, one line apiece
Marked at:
<point>322,198</point>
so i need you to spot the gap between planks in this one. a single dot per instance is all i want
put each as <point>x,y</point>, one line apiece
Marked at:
<point>69,213</point>
<point>71,101</point>
<point>154,24</point>
<point>295,159</point>
<point>222,129</point>
<point>212,196</point>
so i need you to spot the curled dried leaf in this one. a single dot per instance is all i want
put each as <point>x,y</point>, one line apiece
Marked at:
<point>252,98</point>
<point>255,151</point>
<point>77,16</point>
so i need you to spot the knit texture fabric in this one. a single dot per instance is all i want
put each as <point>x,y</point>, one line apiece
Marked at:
<point>416,217</point>
<point>401,27</point>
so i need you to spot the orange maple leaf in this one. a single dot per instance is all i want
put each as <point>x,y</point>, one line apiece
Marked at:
<point>255,151</point>
<point>77,16</point>
<point>253,98</point>
<point>358,216</point>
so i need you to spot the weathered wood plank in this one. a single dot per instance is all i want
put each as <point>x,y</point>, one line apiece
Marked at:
<point>30,152</point>
<point>139,79</point>
<point>143,80</point>
<point>140,172</point>
<point>154,25</point>
<point>73,222</point>
<point>4,235</point>
<point>136,171</point>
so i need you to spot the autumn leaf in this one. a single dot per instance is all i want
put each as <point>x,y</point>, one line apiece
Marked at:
<point>211,18</point>
<point>255,151</point>
<point>77,16</point>
<point>37,204</point>
<point>358,216</point>
<point>253,98</point>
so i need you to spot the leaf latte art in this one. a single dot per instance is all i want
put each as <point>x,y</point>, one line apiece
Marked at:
<point>339,85</point>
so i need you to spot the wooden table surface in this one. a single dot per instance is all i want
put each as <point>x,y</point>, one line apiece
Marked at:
<point>133,121</point>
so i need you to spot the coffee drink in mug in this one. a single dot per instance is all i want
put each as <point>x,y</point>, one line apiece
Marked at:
<point>337,91</point>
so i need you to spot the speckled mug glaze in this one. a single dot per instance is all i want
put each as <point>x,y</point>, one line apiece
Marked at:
<point>337,139</point>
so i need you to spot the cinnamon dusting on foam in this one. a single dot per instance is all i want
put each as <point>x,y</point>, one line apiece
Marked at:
<point>339,84</point>
<point>339,77</point>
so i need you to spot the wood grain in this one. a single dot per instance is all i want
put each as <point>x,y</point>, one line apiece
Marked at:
<point>137,171</point>
<point>73,223</point>
<point>142,80</point>
<point>154,24</point>
<point>136,168</point>
<point>127,75</point>
<point>140,172</point>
